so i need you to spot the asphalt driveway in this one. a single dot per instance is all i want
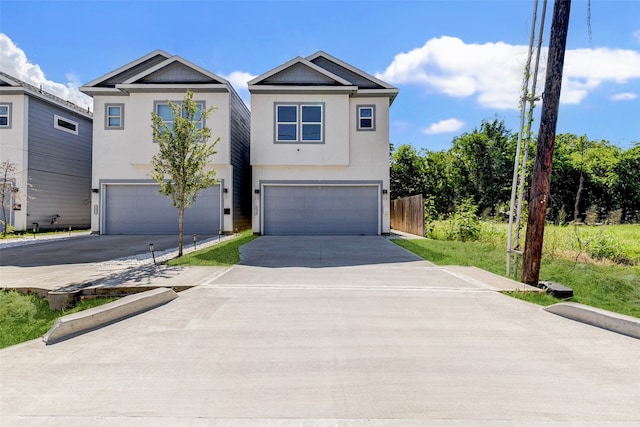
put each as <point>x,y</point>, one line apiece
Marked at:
<point>373,342</point>
<point>86,249</point>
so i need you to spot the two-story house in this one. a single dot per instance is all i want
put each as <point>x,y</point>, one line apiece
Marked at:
<point>125,199</point>
<point>48,139</point>
<point>320,149</point>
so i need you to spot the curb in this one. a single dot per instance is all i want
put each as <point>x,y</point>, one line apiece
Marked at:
<point>78,323</point>
<point>614,322</point>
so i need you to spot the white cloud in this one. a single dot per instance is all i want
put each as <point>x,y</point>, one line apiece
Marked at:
<point>636,35</point>
<point>625,96</point>
<point>492,72</point>
<point>238,80</point>
<point>14,62</point>
<point>443,126</point>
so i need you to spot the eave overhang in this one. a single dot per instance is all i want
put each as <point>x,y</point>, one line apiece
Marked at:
<point>302,89</point>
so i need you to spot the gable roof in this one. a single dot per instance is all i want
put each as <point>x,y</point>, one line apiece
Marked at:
<point>347,71</point>
<point>320,72</point>
<point>13,85</point>
<point>156,71</point>
<point>299,72</point>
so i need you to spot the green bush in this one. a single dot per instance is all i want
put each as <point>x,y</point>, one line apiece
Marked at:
<point>604,247</point>
<point>464,224</point>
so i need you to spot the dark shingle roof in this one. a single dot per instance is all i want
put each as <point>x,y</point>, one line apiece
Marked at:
<point>46,94</point>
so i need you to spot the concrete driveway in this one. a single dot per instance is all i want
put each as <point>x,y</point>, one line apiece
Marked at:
<point>356,342</point>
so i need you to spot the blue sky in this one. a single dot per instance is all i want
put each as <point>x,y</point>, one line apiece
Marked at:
<point>455,62</point>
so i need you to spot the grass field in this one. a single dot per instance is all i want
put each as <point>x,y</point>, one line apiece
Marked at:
<point>616,243</point>
<point>26,317</point>
<point>604,285</point>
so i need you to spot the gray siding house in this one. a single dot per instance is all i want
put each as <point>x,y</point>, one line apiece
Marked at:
<point>50,142</point>
<point>125,200</point>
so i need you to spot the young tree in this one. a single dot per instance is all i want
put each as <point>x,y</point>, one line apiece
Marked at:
<point>183,153</point>
<point>7,171</point>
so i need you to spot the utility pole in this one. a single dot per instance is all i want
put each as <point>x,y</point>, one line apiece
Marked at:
<point>541,179</point>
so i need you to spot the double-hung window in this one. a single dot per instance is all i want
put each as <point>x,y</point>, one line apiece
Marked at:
<point>366,117</point>
<point>300,123</point>
<point>114,116</point>
<point>5,115</point>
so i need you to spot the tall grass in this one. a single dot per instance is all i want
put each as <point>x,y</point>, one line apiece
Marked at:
<point>618,244</point>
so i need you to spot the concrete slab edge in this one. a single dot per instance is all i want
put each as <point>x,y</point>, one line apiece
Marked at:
<point>625,325</point>
<point>78,323</point>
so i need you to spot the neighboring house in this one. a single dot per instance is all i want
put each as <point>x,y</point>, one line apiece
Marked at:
<point>320,149</point>
<point>49,141</point>
<point>125,199</point>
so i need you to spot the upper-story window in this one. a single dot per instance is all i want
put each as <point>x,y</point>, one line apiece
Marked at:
<point>163,109</point>
<point>114,116</point>
<point>366,117</point>
<point>299,123</point>
<point>5,115</point>
<point>65,124</point>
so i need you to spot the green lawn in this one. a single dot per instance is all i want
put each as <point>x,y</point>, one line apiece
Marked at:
<point>610,287</point>
<point>26,317</point>
<point>223,254</point>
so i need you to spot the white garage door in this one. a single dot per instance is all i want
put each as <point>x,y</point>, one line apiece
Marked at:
<point>141,209</point>
<point>321,210</point>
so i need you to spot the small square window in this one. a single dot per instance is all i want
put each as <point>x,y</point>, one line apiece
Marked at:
<point>5,115</point>
<point>114,116</point>
<point>366,117</point>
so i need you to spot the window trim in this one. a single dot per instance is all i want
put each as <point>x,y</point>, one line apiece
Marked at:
<point>359,117</point>
<point>56,124</point>
<point>299,123</point>
<point>107,116</point>
<point>203,107</point>
<point>9,106</point>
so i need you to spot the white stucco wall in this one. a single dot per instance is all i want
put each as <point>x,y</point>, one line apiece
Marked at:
<point>335,149</point>
<point>126,154</point>
<point>347,154</point>
<point>14,149</point>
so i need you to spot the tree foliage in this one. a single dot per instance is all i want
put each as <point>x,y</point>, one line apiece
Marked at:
<point>407,172</point>
<point>180,165</point>
<point>587,175</point>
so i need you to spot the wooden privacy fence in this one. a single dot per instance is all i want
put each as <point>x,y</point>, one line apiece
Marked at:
<point>407,214</point>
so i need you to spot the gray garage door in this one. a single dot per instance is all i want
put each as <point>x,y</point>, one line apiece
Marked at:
<point>321,210</point>
<point>141,209</point>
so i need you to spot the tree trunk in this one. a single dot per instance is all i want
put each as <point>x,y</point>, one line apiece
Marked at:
<point>576,207</point>
<point>539,195</point>
<point>180,228</point>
